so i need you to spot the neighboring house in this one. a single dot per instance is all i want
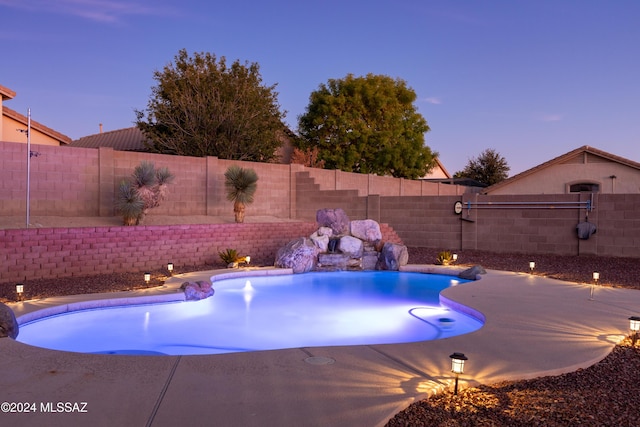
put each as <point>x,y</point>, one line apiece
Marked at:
<point>13,125</point>
<point>585,169</point>
<point>132,139</point>
<point>128,139</point>
<point>438,173</point>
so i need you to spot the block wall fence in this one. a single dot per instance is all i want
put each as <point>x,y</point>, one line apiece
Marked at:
<point>73,181</point>
<point>81,182</point>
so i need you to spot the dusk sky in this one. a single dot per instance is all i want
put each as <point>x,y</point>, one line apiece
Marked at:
<point>531,79</point>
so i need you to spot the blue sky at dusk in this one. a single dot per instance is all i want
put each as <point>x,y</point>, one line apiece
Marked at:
<point>532,79</point>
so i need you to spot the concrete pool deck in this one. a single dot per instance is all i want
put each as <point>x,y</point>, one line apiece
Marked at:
<point>534,326</point>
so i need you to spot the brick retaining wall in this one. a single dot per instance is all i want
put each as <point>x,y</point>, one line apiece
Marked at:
<point>63,252</point>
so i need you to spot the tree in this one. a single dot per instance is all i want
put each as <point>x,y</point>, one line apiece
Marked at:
<point>488,168</point>
<point>202,107</point>
<point>367,125</point>
<point>145,190</point>
<point>241,185</point>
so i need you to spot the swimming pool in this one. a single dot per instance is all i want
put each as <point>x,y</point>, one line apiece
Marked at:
<point>266,313</point>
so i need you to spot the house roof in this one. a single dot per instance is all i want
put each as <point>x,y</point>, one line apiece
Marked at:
<point>128,139</point>
<point>585,149</point>
<point>6,93</point>
<point>22,119</point>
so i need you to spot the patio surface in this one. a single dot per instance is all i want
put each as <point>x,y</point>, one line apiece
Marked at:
<point>534,327</point>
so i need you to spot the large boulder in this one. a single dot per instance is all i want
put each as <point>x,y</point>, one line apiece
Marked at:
<point>392,257</point>
<point>366,229</point>
<point>351,246</point>
<point>300,255</point>
<point>195,291</point>
<point>8,323</point>
<point>336,219</point>
<point>472,273</point>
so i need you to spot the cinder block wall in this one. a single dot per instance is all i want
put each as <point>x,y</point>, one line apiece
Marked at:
<point>71,181</point>
<point>62,252</point>
<point>66,252</point>
<point>518,224</point>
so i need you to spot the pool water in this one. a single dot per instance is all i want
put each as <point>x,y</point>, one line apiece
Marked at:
<point>266,313</point>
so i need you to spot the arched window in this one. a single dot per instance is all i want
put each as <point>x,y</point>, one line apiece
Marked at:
<point>584,187</point>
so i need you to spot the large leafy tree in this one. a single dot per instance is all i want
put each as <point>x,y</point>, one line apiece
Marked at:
<point>203,107</point>
<point>367,125</point>
<point>488,168</point>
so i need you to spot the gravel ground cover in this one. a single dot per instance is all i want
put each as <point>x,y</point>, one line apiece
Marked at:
<point>605,394</point>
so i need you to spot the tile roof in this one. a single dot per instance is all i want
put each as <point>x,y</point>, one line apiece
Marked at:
<point>20,118</point>
<point>128,139</point>
<point>6,93</point>
<point>562,159</point>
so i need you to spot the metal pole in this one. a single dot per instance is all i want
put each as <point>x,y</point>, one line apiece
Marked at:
<point>28,161</point>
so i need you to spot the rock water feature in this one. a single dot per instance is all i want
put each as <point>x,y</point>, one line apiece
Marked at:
<point>340,244</point>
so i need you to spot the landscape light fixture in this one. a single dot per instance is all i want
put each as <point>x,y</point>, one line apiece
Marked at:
<point>532,265</point>
<point>457,367</point>
<point>247,259</point>
<point>19,290</point>
<point>170,267</point>
<point>596,277</point>
<point>147,277</point>
<point>454,257</point>
<point>634,325</point>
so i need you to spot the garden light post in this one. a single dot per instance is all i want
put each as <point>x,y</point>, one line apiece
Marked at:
<point>19,290</point>
<point>454,257</point>
<point>596,277</point>
<point>147,278</point>
<point>457,367</point>
<point>634,325</point>
<point>170,268</point>
<point>532,265</point>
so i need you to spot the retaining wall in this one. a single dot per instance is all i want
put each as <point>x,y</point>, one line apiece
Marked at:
<point>65,252</point>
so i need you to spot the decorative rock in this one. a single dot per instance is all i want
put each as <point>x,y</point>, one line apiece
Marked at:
<point>351,246</point>
<point>197,291</point>
<point>300,255</point>
<point>392,257</point>
<point>336,219</point>
<point>325,231</point>
<point>8,323</point>
<point>333,261</point>
<point>321,241</point>
<point>369,260</point>
<point>366,229</point>
<point>472,273</point>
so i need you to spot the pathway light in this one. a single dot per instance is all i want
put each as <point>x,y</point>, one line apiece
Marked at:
<point>532,265</point>
<point>634,325</point>
<point>457,367</point>
<point>147,277</point>
<point>170,267</point>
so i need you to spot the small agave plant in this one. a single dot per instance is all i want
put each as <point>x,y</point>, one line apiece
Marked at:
<point>229,256</point>
<point>444,258</point>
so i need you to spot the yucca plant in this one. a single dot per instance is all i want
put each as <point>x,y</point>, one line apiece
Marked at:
<point>129,204</point>
<point>146,188</point>
<point>444,258</point>
<point>241,185</point>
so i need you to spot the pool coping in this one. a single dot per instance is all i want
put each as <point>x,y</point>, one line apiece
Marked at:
<point>534,326</point>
